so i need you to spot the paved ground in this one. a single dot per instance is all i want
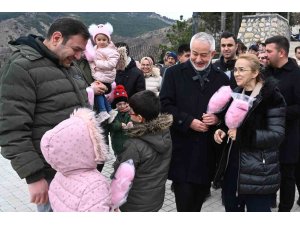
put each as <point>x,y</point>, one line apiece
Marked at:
<point>14,194</point>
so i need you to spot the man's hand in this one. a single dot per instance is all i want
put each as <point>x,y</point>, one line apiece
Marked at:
<point>210,119</point>
<point>99,88</point>
<point>199,126</point>
<point>38,192</point>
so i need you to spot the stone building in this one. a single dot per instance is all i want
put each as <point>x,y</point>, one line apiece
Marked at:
<point>259,27</point>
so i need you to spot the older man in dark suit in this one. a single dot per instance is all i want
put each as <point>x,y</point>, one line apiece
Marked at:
<point>185,93</point>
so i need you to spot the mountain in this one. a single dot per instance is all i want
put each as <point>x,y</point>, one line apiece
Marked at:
<point>126,24</point>
<point>132,27</point>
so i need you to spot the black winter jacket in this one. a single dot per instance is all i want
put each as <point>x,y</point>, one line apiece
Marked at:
<point>227,67</point>
<point>132,78</point>
<point>150,148</point>
<point>258,140</point>
<point>289,85</point>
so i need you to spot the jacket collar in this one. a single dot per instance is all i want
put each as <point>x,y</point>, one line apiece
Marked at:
<point>162,122</point>
<point>36,42</point>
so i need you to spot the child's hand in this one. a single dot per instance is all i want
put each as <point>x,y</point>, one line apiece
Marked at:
<point>99,88</point>
<point>129,125</point>
<point>123,125</point>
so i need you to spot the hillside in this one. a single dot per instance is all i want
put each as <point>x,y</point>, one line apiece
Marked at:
<point>136,28</point>
<point>126,24</point>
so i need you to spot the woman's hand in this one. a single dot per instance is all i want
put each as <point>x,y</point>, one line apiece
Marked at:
<point>219,135</point>
<point>232,134</point>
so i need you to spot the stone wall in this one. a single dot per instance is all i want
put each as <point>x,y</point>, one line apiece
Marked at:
<point>262,26</point>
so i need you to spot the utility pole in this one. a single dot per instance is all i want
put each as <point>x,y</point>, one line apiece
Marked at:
<point>223,21</point>
<point>195,22</point>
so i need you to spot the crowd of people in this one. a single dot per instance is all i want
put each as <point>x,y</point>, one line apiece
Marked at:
<point>230,123</point>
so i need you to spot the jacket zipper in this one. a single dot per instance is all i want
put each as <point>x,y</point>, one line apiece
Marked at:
<point>258,100</point>
<point>263,157</point>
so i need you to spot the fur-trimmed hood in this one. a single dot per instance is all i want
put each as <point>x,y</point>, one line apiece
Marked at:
<point>75,144</point>
<point>155,72</point>
<point>154,132</point>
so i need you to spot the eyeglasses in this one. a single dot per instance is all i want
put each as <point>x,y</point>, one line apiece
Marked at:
<point>264,57</point>
<point>240,70</point>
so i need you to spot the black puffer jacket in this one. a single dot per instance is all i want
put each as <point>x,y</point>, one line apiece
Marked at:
<point>227,67</point>
<point>132,78</point>
<point>36,94</point>
<point>258,140</point>
<point>150,148</point>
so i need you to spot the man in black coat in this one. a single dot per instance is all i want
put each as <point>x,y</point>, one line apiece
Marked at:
<point>185,93</point>
<point>288,73</point>
<point>228,45</point>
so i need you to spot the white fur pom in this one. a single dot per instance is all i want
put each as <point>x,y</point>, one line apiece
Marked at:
<point>109,27</point>
<point>93,28</point>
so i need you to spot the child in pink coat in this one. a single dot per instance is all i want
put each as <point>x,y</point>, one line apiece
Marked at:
<point>73,148</point>
<point>103,59</point>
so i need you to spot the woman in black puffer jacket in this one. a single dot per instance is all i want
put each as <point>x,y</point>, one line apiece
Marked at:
<point>249,166</point>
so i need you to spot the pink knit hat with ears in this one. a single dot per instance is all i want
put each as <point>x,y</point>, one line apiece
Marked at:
<point>106,29</point>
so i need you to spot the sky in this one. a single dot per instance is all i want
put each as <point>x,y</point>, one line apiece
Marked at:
<point>169,6</point>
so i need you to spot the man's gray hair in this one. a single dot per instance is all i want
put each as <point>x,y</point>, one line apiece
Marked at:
<point>204,37</point>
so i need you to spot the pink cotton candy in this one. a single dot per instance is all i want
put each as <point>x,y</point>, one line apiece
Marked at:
<point>91,95</point>
<point>236,113</point>
<point>121,183</point>
<point>219,99</point>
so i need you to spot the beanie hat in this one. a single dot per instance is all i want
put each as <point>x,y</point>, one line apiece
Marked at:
<point>105,29</point>
<point>120,95</point>
<point>172,54</point>
<point>254,48</point>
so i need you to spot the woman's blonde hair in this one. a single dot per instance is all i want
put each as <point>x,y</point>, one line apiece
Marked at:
<point>148,59</point>
<point>254,64</point>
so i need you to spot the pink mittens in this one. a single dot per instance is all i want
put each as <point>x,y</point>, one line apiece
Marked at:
<point>121,183</point>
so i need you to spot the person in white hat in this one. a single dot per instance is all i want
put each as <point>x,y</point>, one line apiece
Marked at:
<point>103,59</point>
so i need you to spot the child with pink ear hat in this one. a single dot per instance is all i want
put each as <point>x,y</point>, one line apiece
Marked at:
<point>103,58</point>
<point>74,148</point>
